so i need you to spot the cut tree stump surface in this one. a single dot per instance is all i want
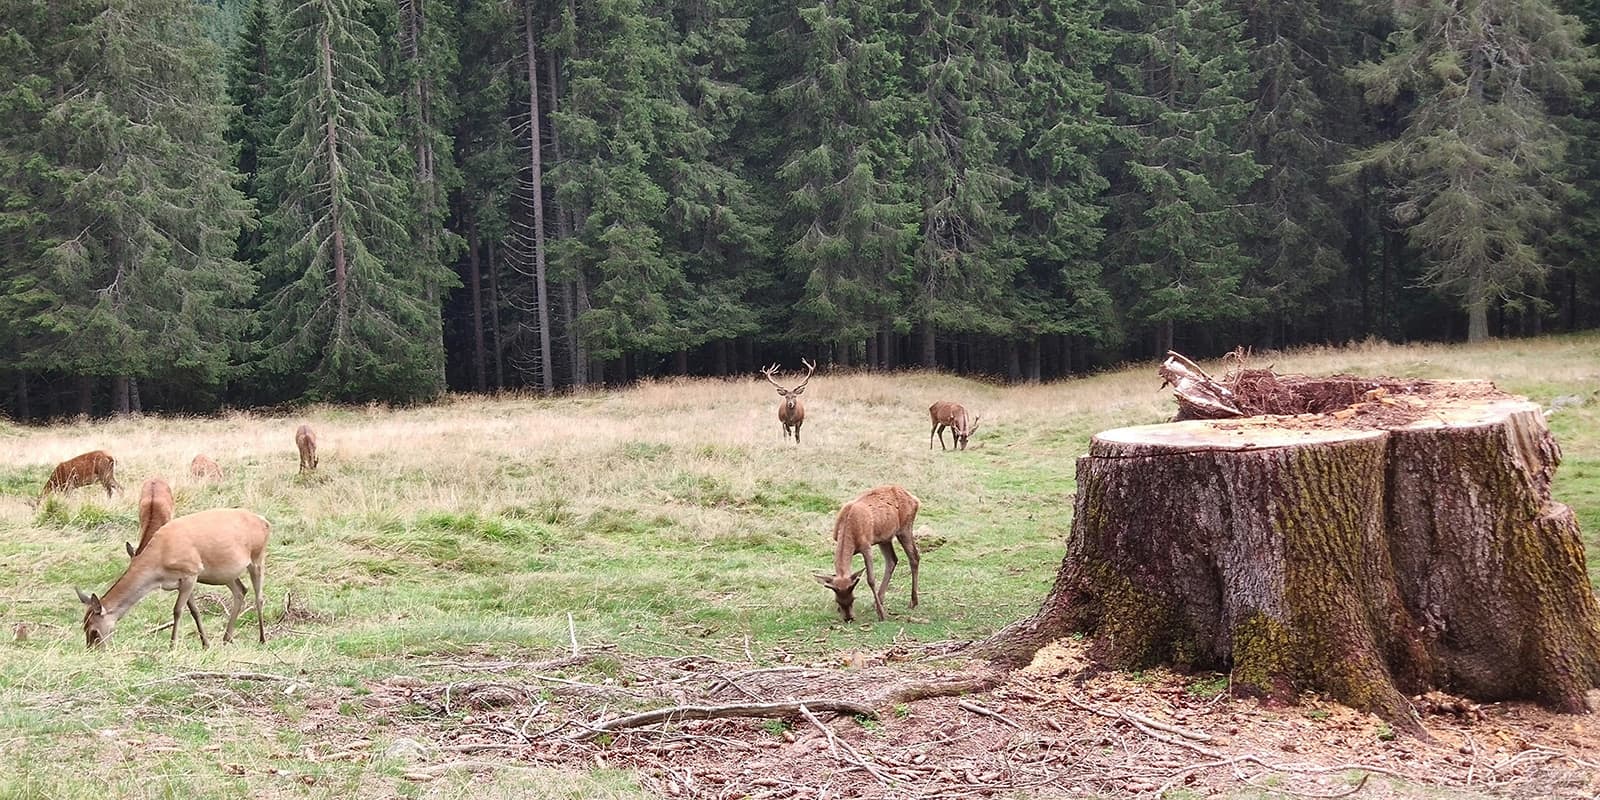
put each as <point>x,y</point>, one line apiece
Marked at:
<point>1398,537</point>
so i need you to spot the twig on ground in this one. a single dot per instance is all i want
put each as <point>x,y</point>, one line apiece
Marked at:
<point>988,712</point>
<point>227,676</point>
<point>681,713</point>
<point>839,744</point>
<point>1165,726</point>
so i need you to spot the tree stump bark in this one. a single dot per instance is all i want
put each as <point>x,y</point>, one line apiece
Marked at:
<point>1399,544</point>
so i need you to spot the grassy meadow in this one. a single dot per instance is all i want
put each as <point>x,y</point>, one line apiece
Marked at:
<point>666,519</point>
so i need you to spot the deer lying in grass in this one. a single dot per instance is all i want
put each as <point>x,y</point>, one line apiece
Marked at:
<point>96,466</point>
<point>878,517</point>
<point>306,441</point>
<point>946,414</point>
<point>791,412</point>
<point>212,547</point>
<point>155,510</point>
<point>205,469</point>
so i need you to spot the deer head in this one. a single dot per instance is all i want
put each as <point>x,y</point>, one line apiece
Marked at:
<point>790,395</point>
<point>964,429</point>
<point>844,591</point>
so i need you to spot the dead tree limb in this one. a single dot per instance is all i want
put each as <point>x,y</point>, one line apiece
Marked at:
<point>681,713</point>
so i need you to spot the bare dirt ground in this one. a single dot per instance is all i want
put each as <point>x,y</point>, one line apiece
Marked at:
<point>946,727</point>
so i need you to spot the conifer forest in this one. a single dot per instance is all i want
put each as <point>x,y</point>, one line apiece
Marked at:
<point>209,203</point>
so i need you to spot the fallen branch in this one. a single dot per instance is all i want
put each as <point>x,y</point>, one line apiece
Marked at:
<point>681,713</point>
<point>838,744</point>
<point>227,676</point>
<point>988,712</point>
<point>1163,726</point>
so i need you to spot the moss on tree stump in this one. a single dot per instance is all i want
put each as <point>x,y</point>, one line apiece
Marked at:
<point>1403,543</point>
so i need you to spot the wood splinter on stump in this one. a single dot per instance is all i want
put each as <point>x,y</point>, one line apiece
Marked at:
<point>1380,539</point>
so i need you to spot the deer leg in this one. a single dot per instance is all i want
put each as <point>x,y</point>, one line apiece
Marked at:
<point>909,544</point>
<point>942,426</point>
<point>185,589</point>
<point>255,584</point>
<point>889,560</point>
<point>194,611</point>
<point>797,433</point>
<point>235,605</point>
<point>930,436</point>
<point>872,584</point>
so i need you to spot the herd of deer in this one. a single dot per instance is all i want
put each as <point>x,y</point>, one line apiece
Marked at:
<point>220,546</point>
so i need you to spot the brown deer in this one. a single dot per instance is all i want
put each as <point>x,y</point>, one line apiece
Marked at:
<point>878,517</point>
<point>306,440</point>
<point>155,510</point>
<point>212,547</point>
<point>96,466</point>
<point>791,412</point>
<point>946,414</point>
<point>205,469</point>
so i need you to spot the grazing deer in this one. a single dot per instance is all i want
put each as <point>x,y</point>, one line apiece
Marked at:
<point>878,517</point>
<point>212,547</point>
<point>96,466</point>
<point>205,469</point>
<point>791,412</point>
<point>950,415</point>
<point>155,510</point>
<point>307,442</point>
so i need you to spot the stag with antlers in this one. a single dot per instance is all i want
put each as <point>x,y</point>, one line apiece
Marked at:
<point>791,412</point>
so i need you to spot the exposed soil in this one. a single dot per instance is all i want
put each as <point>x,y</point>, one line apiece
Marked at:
<point>1053,729</point>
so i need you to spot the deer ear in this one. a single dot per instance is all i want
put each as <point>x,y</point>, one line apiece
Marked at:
<point>85,599</point>
<point>856,578</point>
<point>129,547</point>
<point>825,580</point>
<point>799,390</point>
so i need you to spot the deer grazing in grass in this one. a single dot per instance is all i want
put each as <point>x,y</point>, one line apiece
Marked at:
<point>950,415</point>
<point>791,412</point>
<point>205,469</point>
<point>212,547</point>
<point>879,517</point>
<point>155,510</point>
<point>96,466</point>
<point>306,441</point>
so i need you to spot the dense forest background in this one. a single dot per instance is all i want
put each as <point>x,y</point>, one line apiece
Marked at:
<point>249,202</point>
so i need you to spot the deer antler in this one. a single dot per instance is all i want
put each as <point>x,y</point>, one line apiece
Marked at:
<point>811,366</point>
<point>768,372</point>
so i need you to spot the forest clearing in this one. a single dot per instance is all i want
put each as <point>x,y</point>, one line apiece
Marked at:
<point>462,597</point>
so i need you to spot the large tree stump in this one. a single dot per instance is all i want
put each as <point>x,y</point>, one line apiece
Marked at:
<point>1404,543</point>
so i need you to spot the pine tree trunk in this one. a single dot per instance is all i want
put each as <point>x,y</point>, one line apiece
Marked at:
<point>536,167</point>
<point>119,395</point>
<point>1013,361</point>
<point>1364,563</point>
<point>930,350</point>
<point>85,396</point>
<point>1034,367</point>
<point>872,351</point>
<point>494,321</point>
<point>134,403</point>
<point>577,355</point>
<point>480,376</point>
<point>24,408</point>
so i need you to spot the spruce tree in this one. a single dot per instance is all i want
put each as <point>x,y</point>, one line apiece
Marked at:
<point>1476,173</point>
<point>848,219</point>
<point>1180,173</point>
<point>964,258</point>
<point>123,204</point>
<point>351,319</point>
<point>715,221</point>
<point>1056,49</point>
<point>617,74</point>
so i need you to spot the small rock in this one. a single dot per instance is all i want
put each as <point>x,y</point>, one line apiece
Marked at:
<point>405,750</point>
